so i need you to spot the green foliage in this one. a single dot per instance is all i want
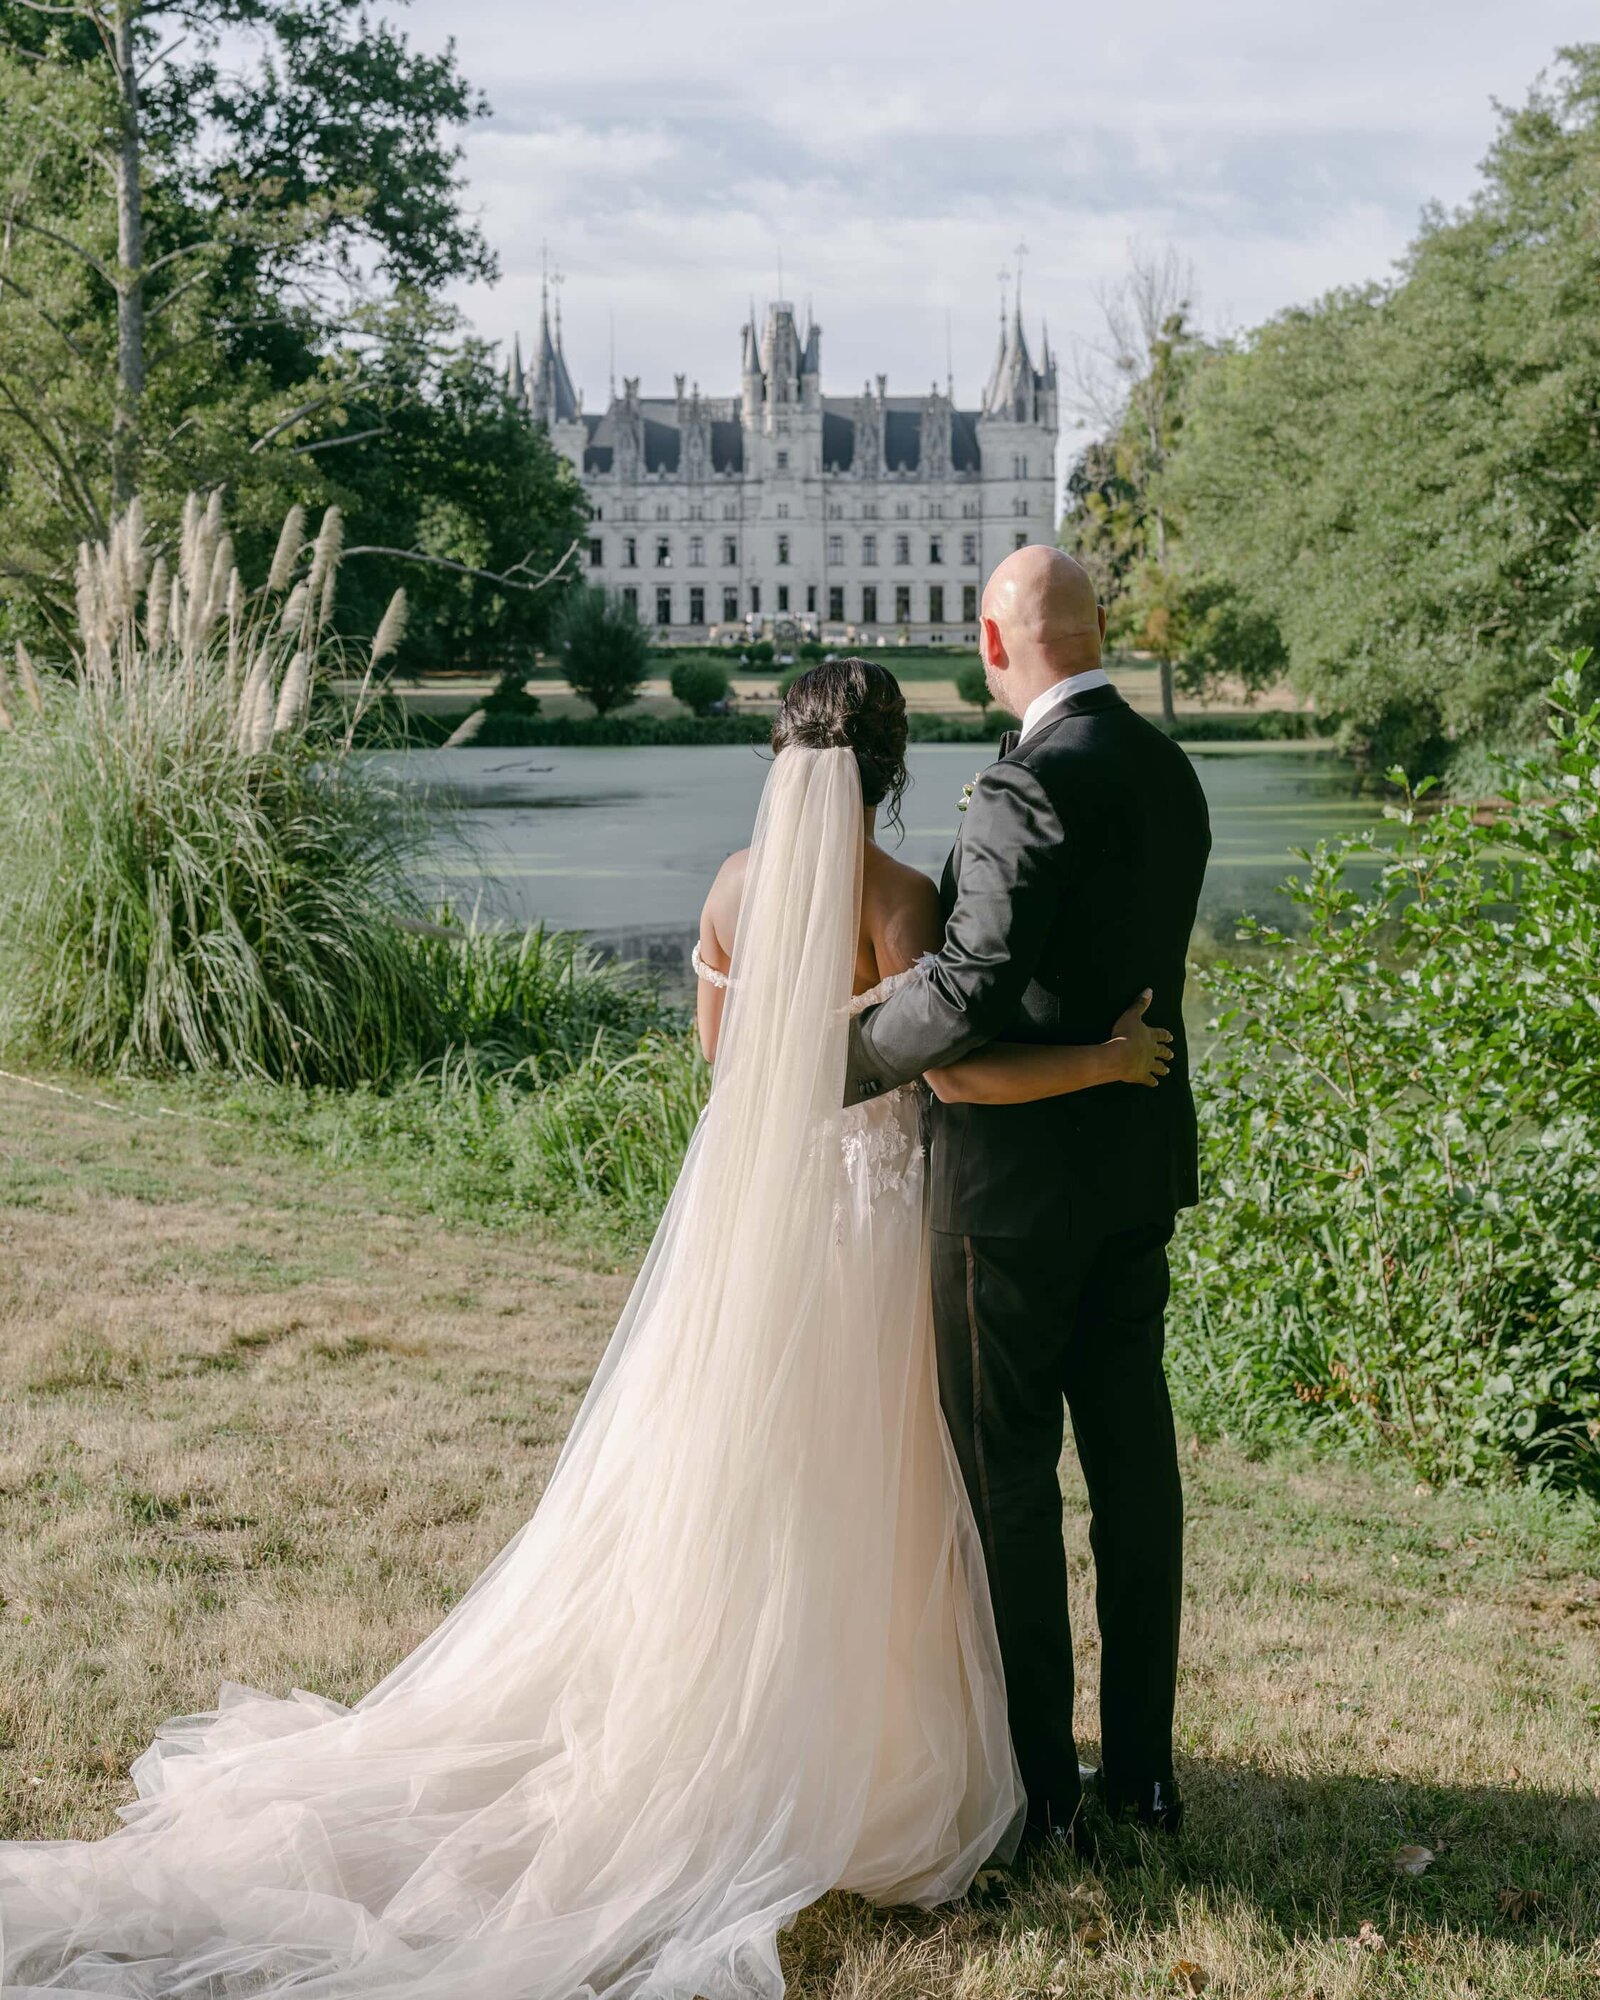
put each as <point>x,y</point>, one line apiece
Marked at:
<point>811,651</point>
<point>699,684</point>
<point>301,200</point>
<point>1402,477</point>
<point>972,684</point>
<point>604,650</point>
<point>760,654</point>
<point>1401,1129</point>
<point>195,876</point>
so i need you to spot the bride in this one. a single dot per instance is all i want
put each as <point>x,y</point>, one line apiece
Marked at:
<point>743,1653</point>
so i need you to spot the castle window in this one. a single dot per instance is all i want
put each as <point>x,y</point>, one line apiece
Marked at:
<point>630,511</point>
<point>697,604</point>
<point>869,548</point>
<point>836,602</point>
<point>663,552</point>
<point>969,548</point>
<point>630,600</point>
<point>902,548</point>
<point>869,510</point>
<point>730,510</point>
<point>902,604</point>
<point>783,461</point>
<point>969,510</point>
<point>630,552</point>
<point>783,510</point>
<point>730,607</point>
<point>730,549</point>
<point>697,512</point>
<point>783,597</point>
<point>597,513</point>
<point>697,557</point>
<point>1019,541</point>
<point>835,511</point>
<point>755,600</point>
<point>936,603</point>
<point>936,548</point>
<point>936,510</point>
<point>836,548</point>
<point>664,605</point>
<point>811,598</point>
<point>597,552</point>
<point>902,510</point>
<point>869,603</point>
<point>663,512</point>
<point>1019,506</point>
<point>783,548</point>
<point>969,601</point>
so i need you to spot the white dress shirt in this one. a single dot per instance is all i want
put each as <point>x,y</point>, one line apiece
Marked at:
<point>1044,705</point>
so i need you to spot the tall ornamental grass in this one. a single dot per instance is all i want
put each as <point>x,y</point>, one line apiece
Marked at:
<point>1400,1243</point>
<point>193,875</point>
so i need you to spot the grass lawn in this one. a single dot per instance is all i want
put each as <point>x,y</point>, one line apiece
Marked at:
<point>264,1421</point>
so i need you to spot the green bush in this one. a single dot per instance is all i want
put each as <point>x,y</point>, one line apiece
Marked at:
<point>1401,1141</point>
<point>698,684</point>
<point>760,654</point>
<point>972,684</point>
<point>603,649</point>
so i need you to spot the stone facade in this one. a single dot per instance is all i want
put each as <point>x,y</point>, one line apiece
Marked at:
<point>860,519</point>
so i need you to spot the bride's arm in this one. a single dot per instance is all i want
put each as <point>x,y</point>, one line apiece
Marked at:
<point>1022,1072</point>
<point>718,921</point>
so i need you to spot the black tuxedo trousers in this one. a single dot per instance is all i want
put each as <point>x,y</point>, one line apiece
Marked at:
<point>1022,1328</point>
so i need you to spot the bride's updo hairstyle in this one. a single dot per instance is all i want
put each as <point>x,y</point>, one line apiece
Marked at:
<point>851,705</point>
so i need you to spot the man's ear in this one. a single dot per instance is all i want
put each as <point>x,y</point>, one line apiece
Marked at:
<point>1100,612</point>
<point>990,650</point>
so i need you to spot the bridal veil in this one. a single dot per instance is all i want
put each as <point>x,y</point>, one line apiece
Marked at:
<point>740,1655</point>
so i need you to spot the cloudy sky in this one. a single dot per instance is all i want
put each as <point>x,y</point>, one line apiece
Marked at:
<point>892,156</point>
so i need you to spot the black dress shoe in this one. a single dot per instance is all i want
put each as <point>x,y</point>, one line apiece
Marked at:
<point>1041,1845</point>
<point>1156,1805</point>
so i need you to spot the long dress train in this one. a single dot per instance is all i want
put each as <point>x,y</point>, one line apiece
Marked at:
<point>741,1654</point>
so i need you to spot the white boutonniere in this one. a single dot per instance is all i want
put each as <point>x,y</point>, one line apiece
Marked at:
<point>967,791</point>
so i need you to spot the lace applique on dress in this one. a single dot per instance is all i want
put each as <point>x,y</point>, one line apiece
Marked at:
<point>708,973</point>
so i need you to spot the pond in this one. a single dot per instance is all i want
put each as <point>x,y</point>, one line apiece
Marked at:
<point>623,843</point>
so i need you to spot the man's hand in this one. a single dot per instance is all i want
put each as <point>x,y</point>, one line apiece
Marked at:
<point>1143,1053</point>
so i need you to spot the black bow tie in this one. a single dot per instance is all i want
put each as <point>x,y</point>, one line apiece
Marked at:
<point>1009,741</point>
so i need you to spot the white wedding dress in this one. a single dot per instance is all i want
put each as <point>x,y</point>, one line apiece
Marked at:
<point>742,1653</point>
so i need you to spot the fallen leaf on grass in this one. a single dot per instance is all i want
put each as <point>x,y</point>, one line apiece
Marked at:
<point>1518,1904</point>
<point>1189,1977</point>
<point>1412,1860</point>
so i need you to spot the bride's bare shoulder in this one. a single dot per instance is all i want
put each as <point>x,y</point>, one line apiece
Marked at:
<point>720,916</point>
<point>901,911</point>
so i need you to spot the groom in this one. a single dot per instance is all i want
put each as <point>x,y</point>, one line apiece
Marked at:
<point>1071,888</point>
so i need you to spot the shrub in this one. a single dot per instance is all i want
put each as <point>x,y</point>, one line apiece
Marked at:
<point>811,651</point>
<point>196,876</point>
<point>603,649</point>
<point>1401,1142</point>
<point>972,684</point>
<point>759,654</point>
<point>699,684</point>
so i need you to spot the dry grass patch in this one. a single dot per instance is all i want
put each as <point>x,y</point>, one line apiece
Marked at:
<point>262,1424</point>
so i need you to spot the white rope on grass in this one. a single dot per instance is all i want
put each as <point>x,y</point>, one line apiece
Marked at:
<point>103,1104</point>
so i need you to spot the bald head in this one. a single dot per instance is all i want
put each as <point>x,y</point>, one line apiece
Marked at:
<point>1041,622</point>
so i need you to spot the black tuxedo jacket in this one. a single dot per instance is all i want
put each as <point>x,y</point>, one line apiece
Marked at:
<point>1072,887</point>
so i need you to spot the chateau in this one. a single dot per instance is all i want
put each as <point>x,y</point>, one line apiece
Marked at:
<point>780,510</point>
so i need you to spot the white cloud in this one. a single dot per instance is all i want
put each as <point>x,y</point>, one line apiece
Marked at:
<point>892,152</point>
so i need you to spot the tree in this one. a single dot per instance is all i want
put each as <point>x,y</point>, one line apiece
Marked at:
<point>972,684</point>
<point>699,685</point>
<point>190,259</point>
<point>604,650</point>
<point>1403,476</point>
<point>1134,384</point>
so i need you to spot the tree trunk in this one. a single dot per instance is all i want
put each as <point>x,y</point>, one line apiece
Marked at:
<point>1169,713</point>
<point>130,261</point>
